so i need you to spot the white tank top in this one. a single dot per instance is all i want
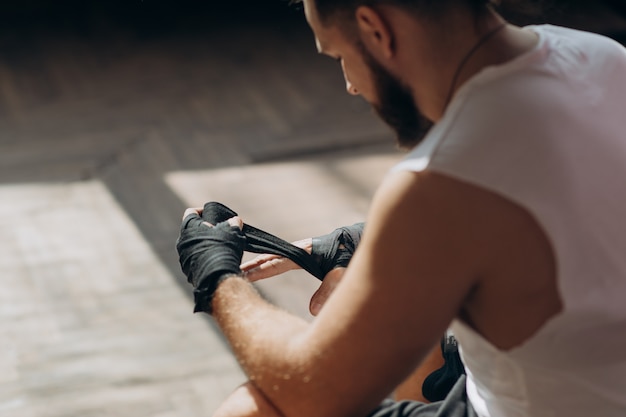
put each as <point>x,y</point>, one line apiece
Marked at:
<point>548,132</point>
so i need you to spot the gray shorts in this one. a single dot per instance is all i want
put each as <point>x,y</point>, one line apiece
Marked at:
<point>456,404</point>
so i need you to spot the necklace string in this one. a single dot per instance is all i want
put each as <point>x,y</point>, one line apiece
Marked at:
<point>472,51</point>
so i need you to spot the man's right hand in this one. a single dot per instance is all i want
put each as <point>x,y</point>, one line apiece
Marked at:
<point>332,251</point>
<point>337,248</point>
<point>325,290</point>
<point>267,266</point>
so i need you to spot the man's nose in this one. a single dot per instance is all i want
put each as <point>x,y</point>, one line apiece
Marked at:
<point>351,89</point>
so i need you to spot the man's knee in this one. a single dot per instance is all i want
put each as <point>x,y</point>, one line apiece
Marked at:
<point>247,401</point>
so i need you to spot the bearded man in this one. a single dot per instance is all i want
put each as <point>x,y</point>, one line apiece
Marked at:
<point>505,223</point>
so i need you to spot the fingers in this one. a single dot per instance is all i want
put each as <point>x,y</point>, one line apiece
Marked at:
<point>236,222</point>
<point>257,261</point>
<point>306,244</point>
<point>331,280</point>
<point>197,211</point>
<point>266,266</point>
<point>192,210</point>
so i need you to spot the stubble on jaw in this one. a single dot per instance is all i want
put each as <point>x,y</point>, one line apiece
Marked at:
<point>396,105</point>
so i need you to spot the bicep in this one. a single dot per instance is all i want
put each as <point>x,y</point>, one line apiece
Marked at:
<point>404,285</point>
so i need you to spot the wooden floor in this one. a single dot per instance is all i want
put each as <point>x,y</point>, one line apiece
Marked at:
<point>104,140</point>
<point>105,137</point>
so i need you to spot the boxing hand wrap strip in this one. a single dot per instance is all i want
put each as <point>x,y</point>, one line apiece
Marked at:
<point>336,248</point>
<point>208,255</point>
<point>259,241</point>
<point>440,382</point>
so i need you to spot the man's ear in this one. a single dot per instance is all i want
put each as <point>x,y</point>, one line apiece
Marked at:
<point>375,32</point>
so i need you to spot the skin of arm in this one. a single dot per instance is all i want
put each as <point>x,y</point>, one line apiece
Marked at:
<point>411,388</point>
<point>406,282</point>
<point>266,266</point>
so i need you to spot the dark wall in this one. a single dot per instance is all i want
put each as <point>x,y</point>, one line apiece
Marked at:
<point>154,18</point>
<point>142,17</point>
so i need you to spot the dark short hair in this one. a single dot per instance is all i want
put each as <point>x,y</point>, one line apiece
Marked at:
<point>329,10</point>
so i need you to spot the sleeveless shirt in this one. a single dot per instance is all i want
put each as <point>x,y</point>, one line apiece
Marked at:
<point>547,131</point>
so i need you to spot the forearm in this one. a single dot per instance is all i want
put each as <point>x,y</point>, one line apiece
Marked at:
<point>411,388</point>
<point>266,342</point>
<point>294,369</point>
<point>247,401</point>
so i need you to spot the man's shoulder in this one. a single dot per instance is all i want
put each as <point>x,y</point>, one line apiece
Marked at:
<point>435,203</point>
<point>431,188</point>
<point>577,35</point>
<point>463,215</point>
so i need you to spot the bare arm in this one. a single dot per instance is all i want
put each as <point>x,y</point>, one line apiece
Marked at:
<point>266,266</point>
<point>411,388</point>
<point>360,348</point>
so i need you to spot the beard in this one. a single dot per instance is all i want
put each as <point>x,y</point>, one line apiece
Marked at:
<point>396,105</point>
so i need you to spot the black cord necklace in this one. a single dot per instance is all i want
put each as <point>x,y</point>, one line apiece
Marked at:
<point>475,48</point>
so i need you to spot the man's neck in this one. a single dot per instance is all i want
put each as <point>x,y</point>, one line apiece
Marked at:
<point>460,54</point>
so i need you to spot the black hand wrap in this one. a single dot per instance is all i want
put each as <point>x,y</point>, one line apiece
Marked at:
<point>207,255</point>
<point>440,382</point>
<point>259,241</point>
<point>336,249</point>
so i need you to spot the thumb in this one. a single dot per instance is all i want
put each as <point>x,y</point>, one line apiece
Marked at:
<point>325,290</point>
<point>236,222</point>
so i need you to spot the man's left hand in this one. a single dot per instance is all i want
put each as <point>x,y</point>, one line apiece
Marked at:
<point>208,254</point>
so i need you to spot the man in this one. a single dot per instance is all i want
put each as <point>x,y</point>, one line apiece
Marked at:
<point>505,223</point>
